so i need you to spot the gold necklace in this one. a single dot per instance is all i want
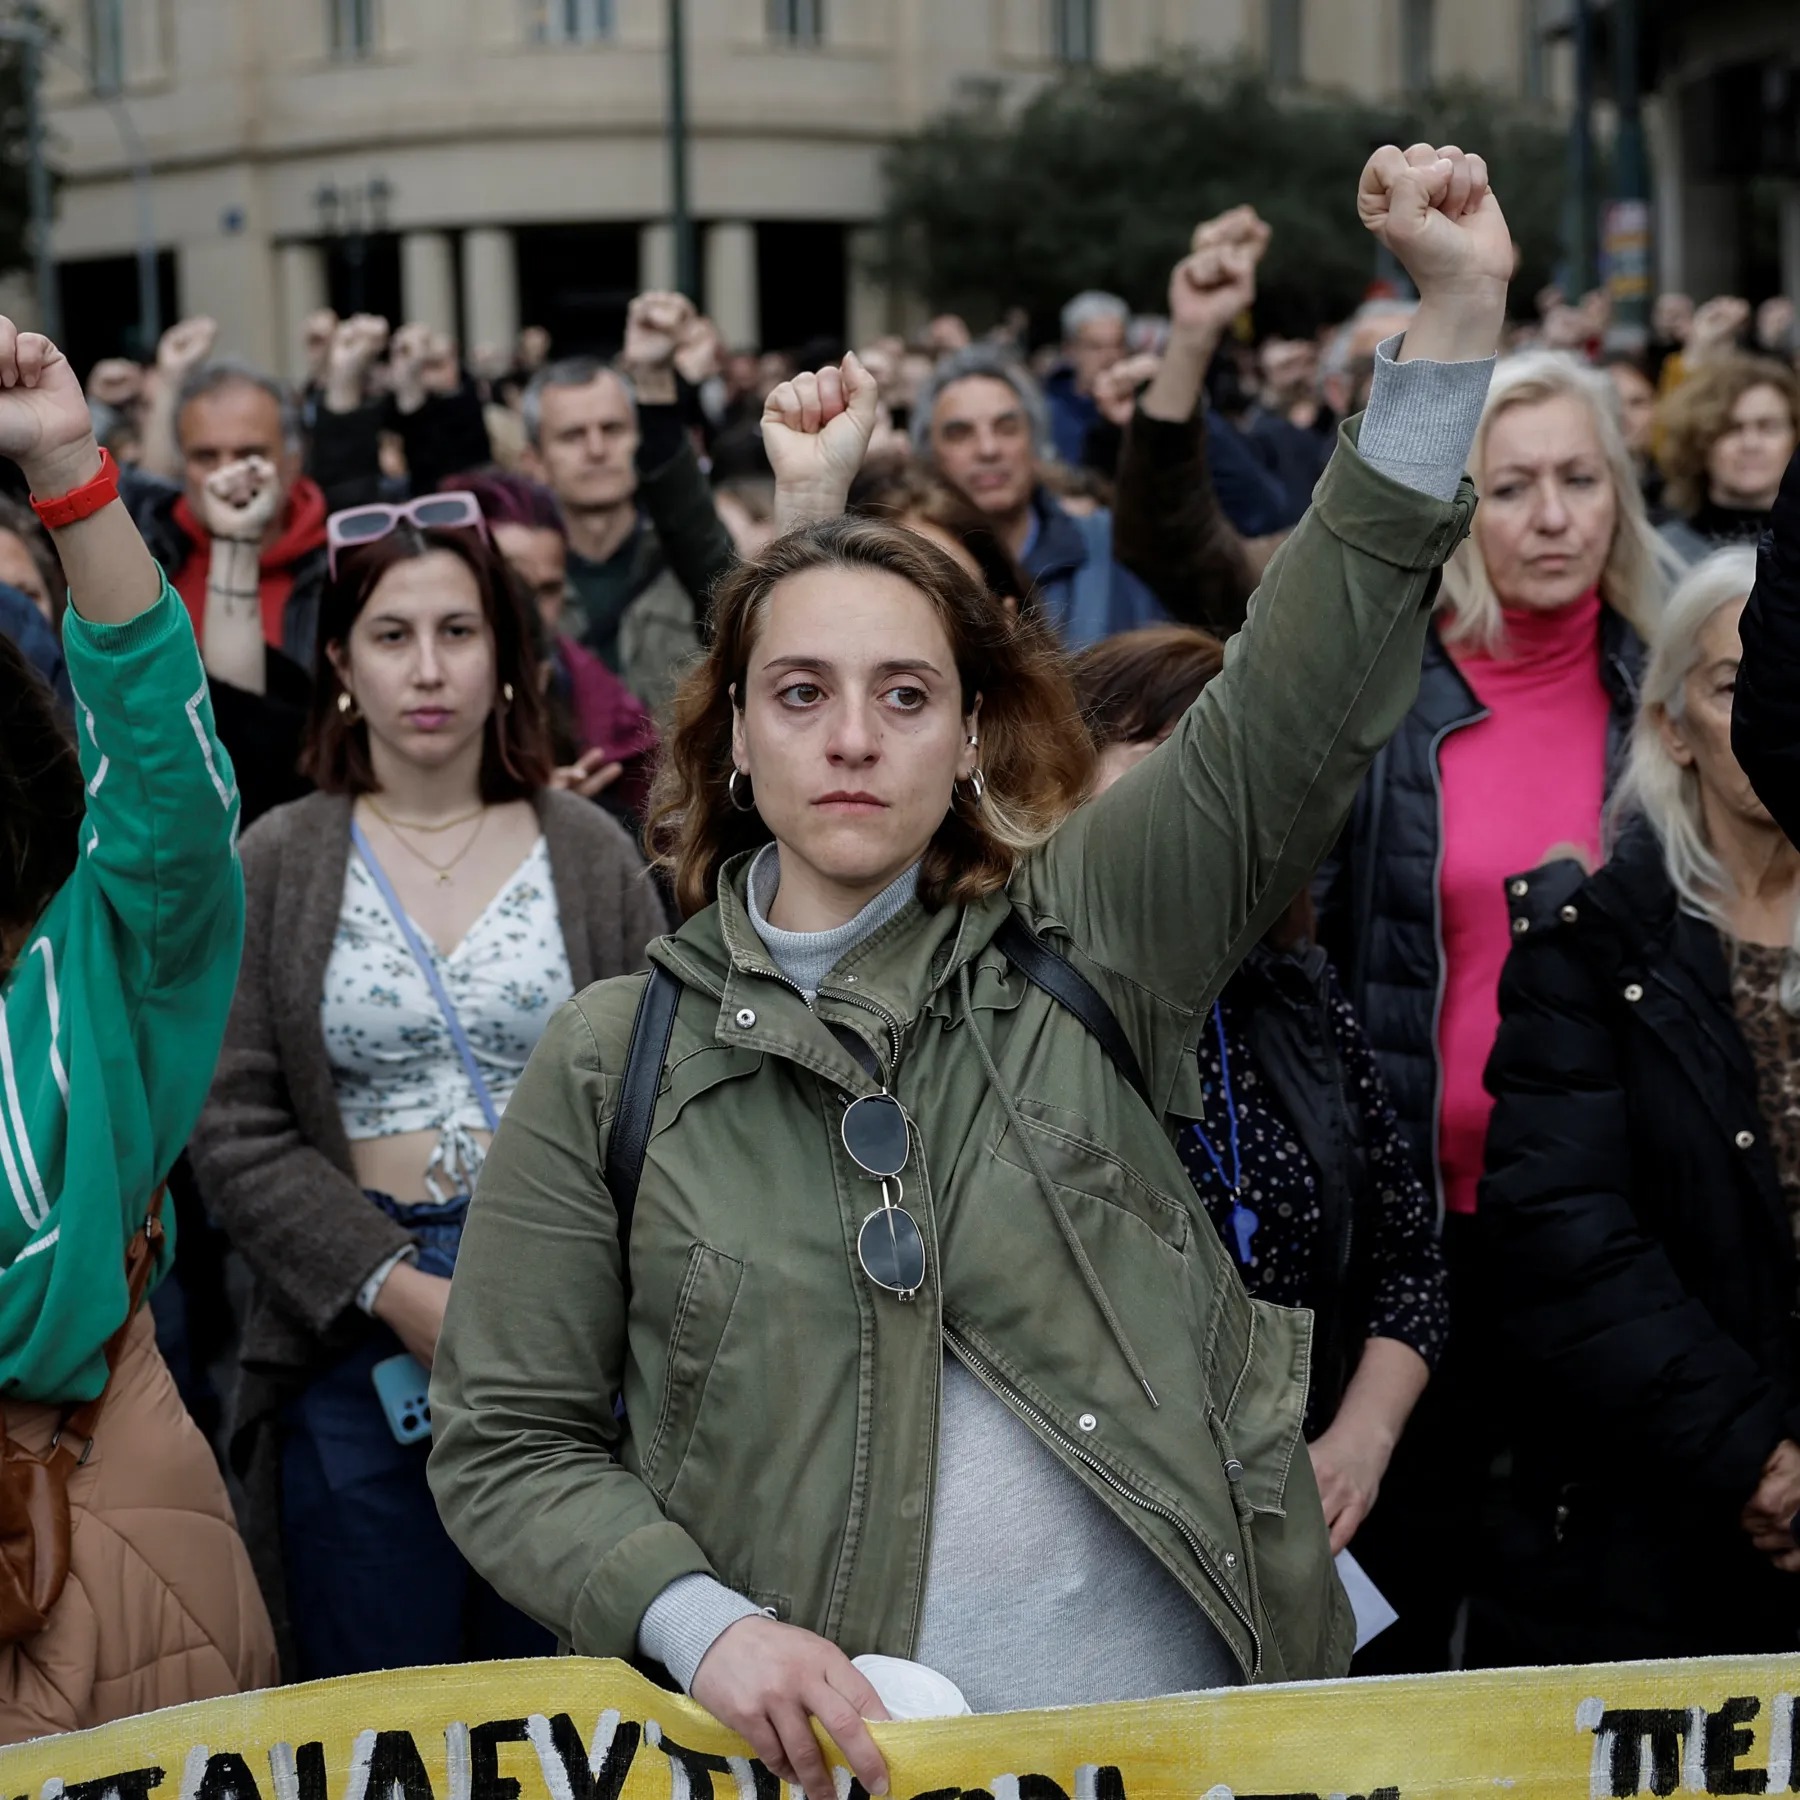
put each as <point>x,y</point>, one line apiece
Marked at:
<point>408,825</point>
<point>442,871</point>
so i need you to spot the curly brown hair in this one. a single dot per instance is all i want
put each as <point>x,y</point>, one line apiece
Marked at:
<point>1037,759</point>
<point>1697,414</point>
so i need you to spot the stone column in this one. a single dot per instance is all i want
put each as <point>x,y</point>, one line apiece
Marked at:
<point>428,280</point>
<point>731,297</point>
<point>656,256</point>
<point>490,289</point>
<point>302,282</point>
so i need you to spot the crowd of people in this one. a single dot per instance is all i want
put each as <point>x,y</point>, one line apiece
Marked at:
<point>1027,993</point>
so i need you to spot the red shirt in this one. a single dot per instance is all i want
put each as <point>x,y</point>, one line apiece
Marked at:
<point>1522,786</point>
<point>302,533</point>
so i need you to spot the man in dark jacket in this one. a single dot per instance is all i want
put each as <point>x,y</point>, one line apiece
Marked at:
<point>645,542</point>
<point>1765,714</point>
<point>981,420</point>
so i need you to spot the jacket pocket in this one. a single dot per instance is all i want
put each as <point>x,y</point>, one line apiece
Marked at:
<point>1078,1165</point>
<point>703,1308</point>
<point>1266,1408</point>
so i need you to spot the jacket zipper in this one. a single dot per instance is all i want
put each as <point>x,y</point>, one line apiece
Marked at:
<point>886,1017</point>
<point>1044,1428</point>
<point>1437,944</point>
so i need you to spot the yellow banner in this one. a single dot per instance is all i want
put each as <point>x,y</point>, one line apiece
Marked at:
<point>568,1729</point>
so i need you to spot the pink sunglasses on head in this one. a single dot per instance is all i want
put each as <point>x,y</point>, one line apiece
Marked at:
<point>359,525</point>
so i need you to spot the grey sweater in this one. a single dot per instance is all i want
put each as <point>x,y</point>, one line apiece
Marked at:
<point>1036,1594</point>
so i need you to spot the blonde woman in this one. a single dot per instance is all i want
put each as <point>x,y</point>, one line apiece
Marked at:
<point>1525,702</point>
<point>1643,1198</point>
<point>1726,435</point>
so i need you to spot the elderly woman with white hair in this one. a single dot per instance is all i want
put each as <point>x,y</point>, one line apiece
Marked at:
<point>1526,697</point>
<point>1642,1199</point>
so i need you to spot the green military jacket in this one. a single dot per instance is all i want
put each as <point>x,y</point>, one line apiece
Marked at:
<point>781,1412</point>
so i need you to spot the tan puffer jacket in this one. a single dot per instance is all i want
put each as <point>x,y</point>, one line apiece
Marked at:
<point>160,1606</point>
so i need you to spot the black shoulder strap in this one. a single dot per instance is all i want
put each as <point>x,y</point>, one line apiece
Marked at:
<point>630,1134</point>
<point>1068,987</point>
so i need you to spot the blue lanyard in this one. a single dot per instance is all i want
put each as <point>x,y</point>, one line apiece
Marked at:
<point>1243,1221</point>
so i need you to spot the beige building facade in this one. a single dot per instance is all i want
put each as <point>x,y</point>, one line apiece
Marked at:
<point>483,164</point>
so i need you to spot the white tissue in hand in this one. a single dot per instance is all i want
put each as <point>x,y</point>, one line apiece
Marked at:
<point>909,1690</point>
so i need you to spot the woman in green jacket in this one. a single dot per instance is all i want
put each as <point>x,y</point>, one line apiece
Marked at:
<point>925,1346</point>
<point>121,918</point>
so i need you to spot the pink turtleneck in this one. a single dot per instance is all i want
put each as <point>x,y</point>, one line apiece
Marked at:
<point>1527,781</point>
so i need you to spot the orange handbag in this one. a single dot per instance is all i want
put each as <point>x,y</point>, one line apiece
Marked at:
<point>34,1490</point>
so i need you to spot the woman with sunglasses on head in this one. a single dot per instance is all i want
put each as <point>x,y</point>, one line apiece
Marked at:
<point>411,929</point>
<point>924,1344</point>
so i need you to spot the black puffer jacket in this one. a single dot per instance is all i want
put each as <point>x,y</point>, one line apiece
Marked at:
<point>1378,894</point>
<point>1643,1256</point>
<point>1765,712</point>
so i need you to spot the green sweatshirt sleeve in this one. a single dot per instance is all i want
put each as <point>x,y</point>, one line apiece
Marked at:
<point>1164,883</point>
<point>162,800</point>
<point>116,1003</point>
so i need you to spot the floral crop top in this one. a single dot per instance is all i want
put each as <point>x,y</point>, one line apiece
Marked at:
<point>393,1060</point>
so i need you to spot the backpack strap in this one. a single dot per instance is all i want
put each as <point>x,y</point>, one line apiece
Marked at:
<point>1069,988</point>
<point>629,1138</point>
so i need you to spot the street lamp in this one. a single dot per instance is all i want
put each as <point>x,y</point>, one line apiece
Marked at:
<point>352,215</point>
<point>29,32</point>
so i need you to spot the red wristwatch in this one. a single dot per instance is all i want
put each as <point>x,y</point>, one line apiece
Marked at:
<point>82,502</point>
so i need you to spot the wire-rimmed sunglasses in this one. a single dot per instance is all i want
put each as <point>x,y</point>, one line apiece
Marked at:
<point>890,1245</point>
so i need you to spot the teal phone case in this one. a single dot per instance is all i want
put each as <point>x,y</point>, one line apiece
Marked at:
<point>403,1386</point>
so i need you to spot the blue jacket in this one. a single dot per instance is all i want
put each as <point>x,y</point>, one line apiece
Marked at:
<point>1085,593</point>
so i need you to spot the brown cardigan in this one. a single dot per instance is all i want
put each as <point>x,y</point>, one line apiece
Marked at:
<point>270,1153</point>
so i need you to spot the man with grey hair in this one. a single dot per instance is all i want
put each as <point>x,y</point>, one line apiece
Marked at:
<point>226,411</point>
<point>645,542</point>
<point>982,421</point>
<point>1093,333</point>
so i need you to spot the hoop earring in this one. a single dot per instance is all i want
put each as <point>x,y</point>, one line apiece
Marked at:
<point>731,789</point>
<point>977,785</point>
<point>347,706</point>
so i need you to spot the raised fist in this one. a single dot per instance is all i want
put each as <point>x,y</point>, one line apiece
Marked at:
<point>355,344</point>
<point>116,381</point>
<point>1217,279</point>
<point>44,422</point>
<point>184,347</point>
<point>1116,388</point>
<point>1775,325</point>
<point>816,429</point>
<point>1718,328</point>
<point>440,371</point>
<point>654,328</point>
<point>1435,211</point>
<point>239,501</point>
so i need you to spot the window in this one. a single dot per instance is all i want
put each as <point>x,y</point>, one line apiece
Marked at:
<point>1073,36</point>
<point>1418,57</point>
<point>797,21</point>
<point>1287,65</point>
<point>106,45</point>
<point>353,27</point>
<point>572,21</point>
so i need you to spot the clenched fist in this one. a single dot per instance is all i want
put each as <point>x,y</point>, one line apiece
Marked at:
<point>238,502</point>
<point>184,347</point>
<point>816,429</point>
<point>1435,211</point>
<point>654,328</point>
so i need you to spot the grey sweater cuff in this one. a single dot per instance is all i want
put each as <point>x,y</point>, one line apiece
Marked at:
<point>686,1619</point>
<point>1421,421</point>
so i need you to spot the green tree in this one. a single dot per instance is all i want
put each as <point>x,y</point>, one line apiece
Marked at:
<point>1099,178</point>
